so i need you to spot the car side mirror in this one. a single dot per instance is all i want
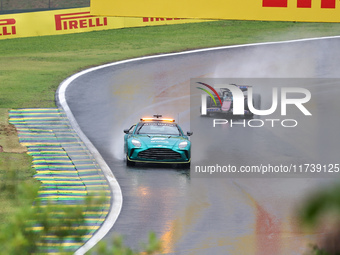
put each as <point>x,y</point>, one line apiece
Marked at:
<point>126,131</point>
<point>189,133</point>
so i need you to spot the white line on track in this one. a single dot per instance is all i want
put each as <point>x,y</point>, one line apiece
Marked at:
<point>117,198</point>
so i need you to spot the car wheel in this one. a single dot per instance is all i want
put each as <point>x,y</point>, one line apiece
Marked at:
<point>257,101</point>
<point>246,107</point>
<point>186,165</point>
<point>129,162</point>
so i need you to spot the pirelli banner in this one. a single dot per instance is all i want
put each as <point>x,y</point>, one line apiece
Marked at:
<point>70,21</point>
<point>276,10</point>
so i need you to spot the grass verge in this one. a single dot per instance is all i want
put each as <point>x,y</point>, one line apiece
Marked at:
<point>32,68</point>
<point>15,170</point>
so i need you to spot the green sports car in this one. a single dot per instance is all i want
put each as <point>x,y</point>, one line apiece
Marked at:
<point>157,140</point>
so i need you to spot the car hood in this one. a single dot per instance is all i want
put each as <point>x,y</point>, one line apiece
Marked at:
<point>165,141</point>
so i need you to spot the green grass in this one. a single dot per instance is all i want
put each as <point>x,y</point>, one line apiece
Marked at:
<point>9,140</point>
<point>32,68</point>
<point>14,170</point>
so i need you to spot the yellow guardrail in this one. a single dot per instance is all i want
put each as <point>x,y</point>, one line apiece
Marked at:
<point>68,21</point>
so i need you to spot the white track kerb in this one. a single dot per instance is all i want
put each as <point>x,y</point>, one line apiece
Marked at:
<point>117,198</point>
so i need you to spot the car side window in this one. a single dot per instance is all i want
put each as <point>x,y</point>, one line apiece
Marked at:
<point>131,129</point>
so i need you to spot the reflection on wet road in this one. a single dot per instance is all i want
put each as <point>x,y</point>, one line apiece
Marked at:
<point>209,215</point>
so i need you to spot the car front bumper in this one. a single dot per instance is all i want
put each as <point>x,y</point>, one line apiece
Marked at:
<point>159,155</point>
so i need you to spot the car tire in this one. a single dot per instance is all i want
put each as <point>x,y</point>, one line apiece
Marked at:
<point>187,165</point>
<point>246,107</point>
<point>129,162</point>
<point>257,101</point>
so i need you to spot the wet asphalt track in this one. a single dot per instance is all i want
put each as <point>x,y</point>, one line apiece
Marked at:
<point>213,215</point>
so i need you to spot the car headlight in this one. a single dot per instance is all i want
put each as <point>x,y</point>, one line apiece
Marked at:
<point>136,143</point>
<point>182,145</point>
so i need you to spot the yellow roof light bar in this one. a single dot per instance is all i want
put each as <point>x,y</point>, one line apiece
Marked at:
<point>157,118</point>
<point>146,119</point>
<point>169,120</point>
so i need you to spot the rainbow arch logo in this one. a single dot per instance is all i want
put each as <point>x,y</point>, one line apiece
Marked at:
<point>209,93</point>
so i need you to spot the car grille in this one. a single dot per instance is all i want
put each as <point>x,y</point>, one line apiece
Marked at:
<point>159,154</point>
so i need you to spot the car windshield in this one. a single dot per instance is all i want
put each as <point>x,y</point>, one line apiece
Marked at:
<point>158,128</point>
